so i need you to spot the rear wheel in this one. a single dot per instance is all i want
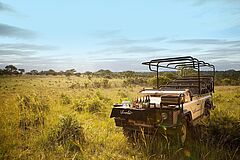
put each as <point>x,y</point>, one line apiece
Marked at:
<point>208,106</point>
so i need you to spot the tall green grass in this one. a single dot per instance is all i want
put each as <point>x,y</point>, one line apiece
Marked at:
<point>48,117</point>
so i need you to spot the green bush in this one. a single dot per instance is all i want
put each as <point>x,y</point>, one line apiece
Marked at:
<point>75,86</point>
<point>80,105</point>
<point>32,111</point>
<point>102,97</point>
<point>68,133</point>
<point>105,83</point>
<point>95,105</point>
<point>102,83</point>
<point>224,127</point>
<point>96,84</point>
<point>134,81</point>
<point>226,81</point>
<point>122,94</point>
<point>163,80</point>
<point>65,100</point>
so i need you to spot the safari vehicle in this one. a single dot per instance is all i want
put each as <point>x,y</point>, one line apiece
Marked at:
<point>171,108</point>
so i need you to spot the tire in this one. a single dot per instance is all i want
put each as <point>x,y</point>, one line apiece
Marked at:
<point>208,106</point>
<point>182,133</point>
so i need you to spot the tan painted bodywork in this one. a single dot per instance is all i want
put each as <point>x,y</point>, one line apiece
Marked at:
<point>195,106</point>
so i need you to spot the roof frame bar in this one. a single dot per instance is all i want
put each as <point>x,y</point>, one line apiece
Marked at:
<point>178,63</point>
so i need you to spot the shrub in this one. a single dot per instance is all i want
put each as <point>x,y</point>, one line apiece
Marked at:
<point>102,97</point>
<point>68,133</point>
<point>163,80</point>
<point>226,81</point>
<point>65,100</point>
<point>105,83</point>
<point>95,105</point>
<point>32,111</point>
<point>134,81</point>
<point>96,84</point>
<point>170,75</point>
<point>122,94</point>
<point>225,127</point>
<point>75,86</point>
<point>128,82</point>
<point>86,84</point>
<point>79,105</point>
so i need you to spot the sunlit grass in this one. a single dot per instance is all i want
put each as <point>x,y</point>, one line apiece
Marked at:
<point>65,95</point>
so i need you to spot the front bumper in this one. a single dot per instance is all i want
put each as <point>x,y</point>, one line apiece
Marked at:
<point>147,128</point>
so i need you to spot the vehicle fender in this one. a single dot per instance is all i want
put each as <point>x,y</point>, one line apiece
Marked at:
<point>208,104</point>
<point>188,114</point>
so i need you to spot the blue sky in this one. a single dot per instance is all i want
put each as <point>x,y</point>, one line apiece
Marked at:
<point>117,35</point>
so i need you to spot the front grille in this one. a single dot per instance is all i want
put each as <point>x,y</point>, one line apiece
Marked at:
<point>140,123</point>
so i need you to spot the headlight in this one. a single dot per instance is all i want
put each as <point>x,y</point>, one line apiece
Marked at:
<point>164,116</point>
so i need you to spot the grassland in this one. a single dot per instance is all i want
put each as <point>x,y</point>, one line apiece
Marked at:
<point>58,117</point>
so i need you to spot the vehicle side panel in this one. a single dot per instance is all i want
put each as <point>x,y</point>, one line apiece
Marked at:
<point>196,106</point>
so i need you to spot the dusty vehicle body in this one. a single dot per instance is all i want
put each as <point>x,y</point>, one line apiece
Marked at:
<point>170,108</point>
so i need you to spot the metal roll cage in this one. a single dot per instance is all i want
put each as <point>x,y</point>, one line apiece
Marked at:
<point>179,63</point>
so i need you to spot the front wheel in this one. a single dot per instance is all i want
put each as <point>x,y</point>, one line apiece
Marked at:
<point>182,133</point>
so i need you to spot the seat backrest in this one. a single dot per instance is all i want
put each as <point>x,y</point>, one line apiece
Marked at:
<point>171,100</point>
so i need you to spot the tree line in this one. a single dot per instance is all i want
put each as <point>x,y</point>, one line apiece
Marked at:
<point>13,70</point>
<point>229,77</point>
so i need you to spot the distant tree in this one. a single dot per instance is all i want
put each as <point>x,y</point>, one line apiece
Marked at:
<point>170,75</point>
<point>51,72</point>
<point>128,74</point>
<point>163,80</point>
<point>104,73</point>
<point>43,73</point>
<point>1,72</point>
<point>21,71</point>
<point>78,74</point>
<point>226,81</point>
<point>231,70</point>
<point>61,73</point>
<point>33,72</point>
<point>73,70</point>
<point>186,72</point>
<point>70,72</point>
<point>88,73</point>
<point>10,69</point>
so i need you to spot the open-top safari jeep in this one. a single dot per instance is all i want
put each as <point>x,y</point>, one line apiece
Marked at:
<point>170,108</point>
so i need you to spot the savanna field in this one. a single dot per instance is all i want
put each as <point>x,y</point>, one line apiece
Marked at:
<point>59,117</point>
